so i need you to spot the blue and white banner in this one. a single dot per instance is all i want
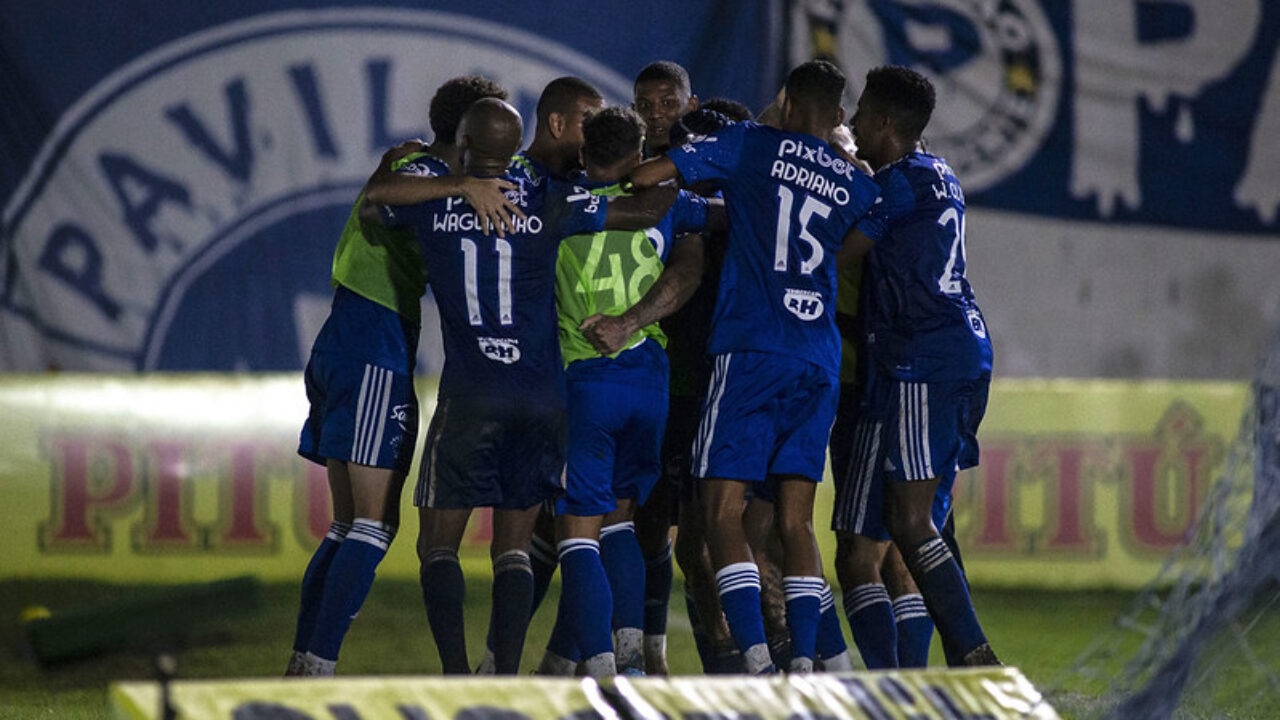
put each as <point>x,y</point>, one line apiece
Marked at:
<point>1154,112</point>
<point>175,175</point>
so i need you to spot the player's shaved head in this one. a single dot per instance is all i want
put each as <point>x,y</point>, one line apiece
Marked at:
<point>452,100</point>
<point>816,85</point>
<point>666,71</point>
<point>903,93</point>
<point>562,94</point>
<point>491,130</point>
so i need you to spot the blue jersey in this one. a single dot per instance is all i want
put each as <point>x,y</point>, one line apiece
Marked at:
<point>496,296</point>
<point>790,199</point>
<point>922,322</point>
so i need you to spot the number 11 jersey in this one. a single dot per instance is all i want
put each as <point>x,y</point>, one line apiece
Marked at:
<point>790,199</point>
<point>496,296</point>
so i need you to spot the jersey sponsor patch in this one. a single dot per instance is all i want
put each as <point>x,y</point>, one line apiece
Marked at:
<point>804,304</point>
<point>503,350</point>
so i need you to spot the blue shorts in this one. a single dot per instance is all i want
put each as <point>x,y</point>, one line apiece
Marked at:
<point>359,382</point>
<point>616,419</point>
<point>500,452</point>
<point>903,432</point>
<point>765,414</point>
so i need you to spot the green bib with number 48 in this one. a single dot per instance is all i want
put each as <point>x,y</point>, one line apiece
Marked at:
<point>606,273</point>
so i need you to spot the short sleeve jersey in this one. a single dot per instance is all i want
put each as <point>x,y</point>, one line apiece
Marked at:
<point>923,323</point>
<point>608,272</point>
<point>382,264</point>
<point>790,199</point>
<point>496,296</point>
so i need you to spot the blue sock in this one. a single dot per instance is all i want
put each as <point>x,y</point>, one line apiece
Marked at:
<point>563,641</point>
<point>313,583</point>
<point>804,601</point>
<point>947,597</point>
<point>512,607</point>
<point>915,631</point>
<point>739,588</point>
<point>347,583</point>
<point>871,619</point>
<point>542,561</point>
<point>700,640</point>
<point>658,574</point>
<point>624,565</point>
<point>830,636</point>
<point>586,597</point>
<point>542,558</point>
<point>443,592</point>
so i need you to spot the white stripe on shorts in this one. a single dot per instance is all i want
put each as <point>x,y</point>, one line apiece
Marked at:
<point>868,435</point>
<point>371,410</point>
<point>913,430</point>
<point>424,495</point>
<point>707,426</point>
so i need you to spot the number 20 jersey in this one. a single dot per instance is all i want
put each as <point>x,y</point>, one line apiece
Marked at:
<point>790,199</point>
<point>496,296</point>
<point>922,322</point>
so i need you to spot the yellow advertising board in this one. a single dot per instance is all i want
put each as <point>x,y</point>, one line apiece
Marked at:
<point>172,478</point>
<point>994,693</point>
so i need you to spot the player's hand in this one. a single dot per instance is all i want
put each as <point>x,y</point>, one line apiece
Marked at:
<point>699,122</point>
<point>495,210</point>
<point>607,333</point>
<point>404,148</point>
<point>844,143</point>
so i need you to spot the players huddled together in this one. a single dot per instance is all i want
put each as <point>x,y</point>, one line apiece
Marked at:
<point>659,315</point>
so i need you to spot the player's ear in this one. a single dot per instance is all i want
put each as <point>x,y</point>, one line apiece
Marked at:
<point>692,104</point>
<point>555,124</point>
<point>840,116</point>
<point>582,158</point>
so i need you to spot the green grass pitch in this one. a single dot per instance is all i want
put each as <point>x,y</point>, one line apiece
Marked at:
<point>1040,632</point>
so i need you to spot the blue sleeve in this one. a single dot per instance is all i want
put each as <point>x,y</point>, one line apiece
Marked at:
<point>714,157</point>
<point>895,200</point>
<point>575,209</point>
<point>417,165</point>
<point>689,213</point>
<point>404,215</point>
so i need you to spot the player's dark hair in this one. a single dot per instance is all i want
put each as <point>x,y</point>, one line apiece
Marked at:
<point>817,84</point>
<point>611,135</point>
<point>452,100</point>
<point>560,94</point>
<point>731,109</point>
<point>903,93</point>
<point>665,70</point>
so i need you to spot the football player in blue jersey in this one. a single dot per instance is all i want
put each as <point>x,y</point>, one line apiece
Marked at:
<point>662,94</point>
<point>496,438</point>
<point>791,200</point>
<point>928,356</point>
<point>359,379</point>
<point>617,404</point>
<point>557,138</point>
<point>553,153</point>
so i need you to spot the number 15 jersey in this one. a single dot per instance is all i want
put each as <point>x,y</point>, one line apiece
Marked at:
<point>790,199</point>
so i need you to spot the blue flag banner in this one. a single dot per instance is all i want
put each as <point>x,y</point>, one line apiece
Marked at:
<point>176,174</point>
<point>1160,113</point>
